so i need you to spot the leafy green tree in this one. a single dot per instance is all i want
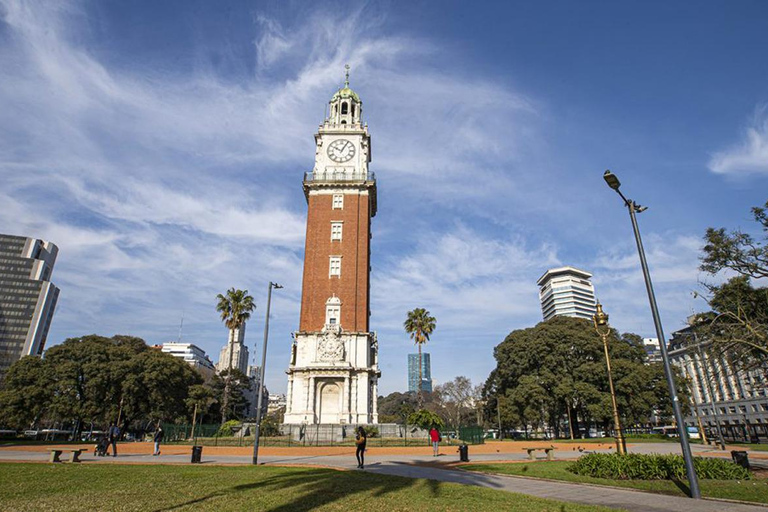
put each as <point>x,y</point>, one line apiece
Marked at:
<point>420,325</point>
<point>235,308</point>
<point>738,324</point>
<point>93,379</point>
<point>201,398</point>
<point>425,419</point>
<point>555,372</point>
<point>239,386</point>
<point>26,394</point>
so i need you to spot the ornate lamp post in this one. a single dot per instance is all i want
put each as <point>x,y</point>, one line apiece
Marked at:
<point>257,429</point>
<point>634,208</point>
<point>600,320</point>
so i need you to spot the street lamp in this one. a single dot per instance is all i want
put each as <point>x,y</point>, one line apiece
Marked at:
<point>633,209</point>
<point>261,374</point>
<point>600,320</point>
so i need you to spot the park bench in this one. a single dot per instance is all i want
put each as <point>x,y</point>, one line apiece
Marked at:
<point>549,451</point>
<point>56,454</point>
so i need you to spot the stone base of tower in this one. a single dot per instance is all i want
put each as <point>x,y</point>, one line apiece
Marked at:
<point>333,379</point>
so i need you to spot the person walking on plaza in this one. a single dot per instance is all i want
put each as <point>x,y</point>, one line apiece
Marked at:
<point>360,440</point>
<point>114,435</point>
<point>158,439</point>
<point>434,436</point>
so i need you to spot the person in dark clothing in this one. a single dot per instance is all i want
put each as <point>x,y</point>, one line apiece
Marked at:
<point>158,439</point>
<point>114,435</point>
<point>360,439</point>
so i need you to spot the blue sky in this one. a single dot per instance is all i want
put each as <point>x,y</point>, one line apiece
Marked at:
<point>161,146</point>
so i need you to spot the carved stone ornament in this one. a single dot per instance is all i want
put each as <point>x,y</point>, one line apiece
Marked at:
<point>330,348</point>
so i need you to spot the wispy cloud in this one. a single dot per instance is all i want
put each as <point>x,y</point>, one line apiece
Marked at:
<point>750,156</point>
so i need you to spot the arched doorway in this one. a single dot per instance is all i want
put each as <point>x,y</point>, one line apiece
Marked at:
<point>330,402</point>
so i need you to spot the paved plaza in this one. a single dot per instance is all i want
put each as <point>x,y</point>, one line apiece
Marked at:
<point>418,463</point>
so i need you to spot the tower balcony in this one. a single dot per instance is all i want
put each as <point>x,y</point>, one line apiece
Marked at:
<point>339,176</point>
<point>342,178</point>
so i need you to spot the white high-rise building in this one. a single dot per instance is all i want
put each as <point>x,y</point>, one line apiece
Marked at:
<point>192,355</point>
<point>27,297</point>
<point>566,291</point>
<point>236,344</point>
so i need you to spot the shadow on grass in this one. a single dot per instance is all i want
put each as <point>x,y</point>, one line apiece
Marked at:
<point>682,486</point>
<point>308,489</point>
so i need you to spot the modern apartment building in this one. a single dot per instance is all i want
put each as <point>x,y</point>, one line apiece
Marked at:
<point>27,297</point>
<point>192,355</point>
<point>566,291</point>
<point>723,395</point>
<point>413,372</point>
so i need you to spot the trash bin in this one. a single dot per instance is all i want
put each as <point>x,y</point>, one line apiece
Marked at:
<point>197,453</point>
<point>464,453</point>
<point>741,458</point>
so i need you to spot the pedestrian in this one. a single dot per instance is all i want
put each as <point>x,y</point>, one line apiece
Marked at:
<point>435,437</point>
<point>360,439</point>
<point>114,435</point>
<point>158,439</point>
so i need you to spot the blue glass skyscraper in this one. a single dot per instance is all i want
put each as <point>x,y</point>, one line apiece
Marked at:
<point>413,372</point>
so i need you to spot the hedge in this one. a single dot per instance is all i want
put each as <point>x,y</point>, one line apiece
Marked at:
<point>635,466</point>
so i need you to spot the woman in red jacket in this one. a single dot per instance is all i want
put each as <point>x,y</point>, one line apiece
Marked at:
<point>434,436</point>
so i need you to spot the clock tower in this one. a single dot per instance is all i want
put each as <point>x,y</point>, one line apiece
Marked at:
<point>333,372</point>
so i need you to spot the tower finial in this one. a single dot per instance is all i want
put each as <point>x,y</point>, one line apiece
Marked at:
<point>346,80</point>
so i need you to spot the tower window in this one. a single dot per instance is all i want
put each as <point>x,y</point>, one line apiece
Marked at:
<point>338,201</point>
<point>333,311</point>
<point>336,230</point>
<point>353,111</point>
<point>335,266</point>
<point>344,108</point>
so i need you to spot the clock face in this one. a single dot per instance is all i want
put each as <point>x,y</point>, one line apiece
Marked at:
<point>341,150</point>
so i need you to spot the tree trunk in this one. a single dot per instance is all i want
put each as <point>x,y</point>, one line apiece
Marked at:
<point>225,405</point>
<point>420,377</point>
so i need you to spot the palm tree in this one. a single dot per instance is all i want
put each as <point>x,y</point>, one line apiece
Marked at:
<point>235,309</point>
<point>419,325</point>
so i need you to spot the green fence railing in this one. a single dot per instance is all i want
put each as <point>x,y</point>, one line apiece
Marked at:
<point>472,435</point>
<point>315,435</point>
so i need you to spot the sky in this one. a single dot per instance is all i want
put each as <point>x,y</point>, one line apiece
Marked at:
<point>161,146</point>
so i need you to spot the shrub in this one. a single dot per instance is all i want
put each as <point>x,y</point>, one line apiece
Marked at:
<point>228,429</point>
<point>372,431</point>
<point>635,466</point>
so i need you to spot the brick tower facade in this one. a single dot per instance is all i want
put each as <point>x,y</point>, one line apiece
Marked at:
<point>333,373</point>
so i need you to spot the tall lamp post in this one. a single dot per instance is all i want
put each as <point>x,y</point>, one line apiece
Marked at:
<point>634,208</point>
<point>600,320</point>
<point>261,374</point>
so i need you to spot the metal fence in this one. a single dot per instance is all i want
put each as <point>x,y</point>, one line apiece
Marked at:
<point>319,435</point>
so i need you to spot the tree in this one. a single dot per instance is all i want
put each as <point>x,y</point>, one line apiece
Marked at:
<point>555,373</point>
<point>27,393</point>
<point>739,320</point>
<point>96,380</point>
<point>457,400</point>
<point>235,308</point>
<point>420,325</point>
<point>234,386</point>
<point>425,420</point>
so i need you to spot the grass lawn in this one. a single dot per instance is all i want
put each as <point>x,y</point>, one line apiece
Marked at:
<point>112,487</point>
<point>748,490</point>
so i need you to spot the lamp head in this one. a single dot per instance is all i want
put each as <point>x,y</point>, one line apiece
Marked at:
<point>611,180</point>
<point>276,286</point>
<point>600,317</point>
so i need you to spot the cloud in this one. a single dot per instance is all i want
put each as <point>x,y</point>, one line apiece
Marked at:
<point>751,155</point>
<point>673,260</point>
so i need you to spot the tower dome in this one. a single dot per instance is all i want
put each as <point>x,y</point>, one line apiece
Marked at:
<point>345,105</point>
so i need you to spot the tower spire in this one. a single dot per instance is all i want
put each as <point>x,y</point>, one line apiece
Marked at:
<point>346,79</point>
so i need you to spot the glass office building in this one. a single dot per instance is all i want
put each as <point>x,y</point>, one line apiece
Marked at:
<point>413,372</point>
